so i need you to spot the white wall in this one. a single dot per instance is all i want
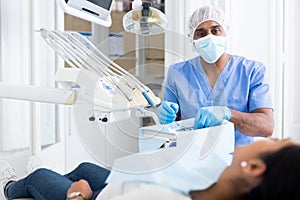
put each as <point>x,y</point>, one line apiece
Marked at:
<point>15,64</point>
<point>27,127</point>
<point>291,69</point>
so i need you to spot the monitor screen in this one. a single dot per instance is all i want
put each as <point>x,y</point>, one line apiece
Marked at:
<point>102,3</point>
<point>96,11</point>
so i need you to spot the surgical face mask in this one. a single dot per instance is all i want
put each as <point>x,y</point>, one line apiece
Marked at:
<point>211,47</point>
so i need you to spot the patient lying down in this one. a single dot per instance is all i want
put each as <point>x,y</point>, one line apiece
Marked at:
<point>266,169</point>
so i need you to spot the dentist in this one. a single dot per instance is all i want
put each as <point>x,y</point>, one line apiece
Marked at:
<point>216,85</point>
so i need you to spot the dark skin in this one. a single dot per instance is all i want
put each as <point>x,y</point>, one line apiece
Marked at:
<point>259,122</point>
<point>237,180</point>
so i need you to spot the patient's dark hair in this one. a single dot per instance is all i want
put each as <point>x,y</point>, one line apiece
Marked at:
<point>282,178</point>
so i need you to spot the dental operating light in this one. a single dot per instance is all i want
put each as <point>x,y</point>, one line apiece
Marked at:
<point>113,87</point>
<point>144,19</point>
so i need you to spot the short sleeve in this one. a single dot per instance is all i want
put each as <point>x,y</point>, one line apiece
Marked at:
<point>259,89</point>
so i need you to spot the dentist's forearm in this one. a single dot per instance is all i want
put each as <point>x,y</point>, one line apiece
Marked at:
<point>260,122</point>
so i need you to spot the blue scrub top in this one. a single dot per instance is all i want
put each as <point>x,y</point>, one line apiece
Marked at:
<point>242,86</point>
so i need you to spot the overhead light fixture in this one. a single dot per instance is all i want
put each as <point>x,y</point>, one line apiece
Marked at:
<point>144,19</point>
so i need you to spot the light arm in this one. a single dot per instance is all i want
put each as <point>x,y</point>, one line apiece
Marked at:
<point>37,93</point>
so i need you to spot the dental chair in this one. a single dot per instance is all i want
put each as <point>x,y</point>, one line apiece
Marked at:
<point>203,153</point>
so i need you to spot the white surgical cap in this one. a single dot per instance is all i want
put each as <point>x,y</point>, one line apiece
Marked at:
<point>204,14</point>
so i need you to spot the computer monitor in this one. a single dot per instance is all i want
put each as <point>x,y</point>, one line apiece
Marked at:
<point>97,11</point>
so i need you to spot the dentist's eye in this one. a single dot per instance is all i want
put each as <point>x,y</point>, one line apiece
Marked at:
<point>200,33</point>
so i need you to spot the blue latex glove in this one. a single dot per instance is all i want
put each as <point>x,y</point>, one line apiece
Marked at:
<point>167,112</point>
<point>211,116</point>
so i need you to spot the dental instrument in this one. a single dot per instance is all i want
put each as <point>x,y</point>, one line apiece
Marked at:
<point>85,59</point>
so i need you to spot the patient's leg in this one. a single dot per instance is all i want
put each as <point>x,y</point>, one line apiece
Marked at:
<point>40,184</point>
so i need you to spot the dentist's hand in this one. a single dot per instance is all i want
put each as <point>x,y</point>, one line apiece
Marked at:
<point>211,116</point>
<point>167,112</point>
